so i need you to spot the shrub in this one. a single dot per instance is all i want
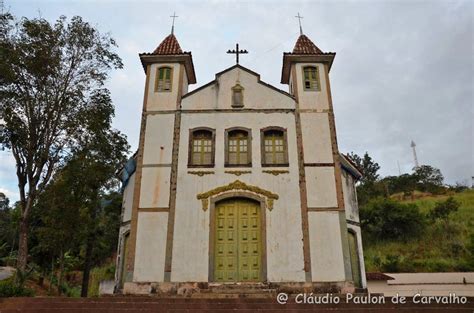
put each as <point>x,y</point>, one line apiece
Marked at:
<point>9,289</point>
<point>443,209</point>
<point>391,263</point>
<point>388,219</point>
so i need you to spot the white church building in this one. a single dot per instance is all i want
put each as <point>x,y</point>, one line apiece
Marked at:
<point>238,181</point>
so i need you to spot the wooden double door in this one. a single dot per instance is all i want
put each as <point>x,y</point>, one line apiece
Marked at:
<point>238,248</point>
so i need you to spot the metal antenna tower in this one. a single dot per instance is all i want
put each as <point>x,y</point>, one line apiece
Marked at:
<point>413,146</point>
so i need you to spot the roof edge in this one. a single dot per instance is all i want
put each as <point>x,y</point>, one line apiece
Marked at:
<point>186,58</point>
<point>290,58</point>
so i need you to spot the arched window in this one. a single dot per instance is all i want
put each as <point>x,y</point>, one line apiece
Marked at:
<point>274,147</point>
<point>238,147</point>
<point>201,147</point>
<point>164,76</point>
<point>311,78</point>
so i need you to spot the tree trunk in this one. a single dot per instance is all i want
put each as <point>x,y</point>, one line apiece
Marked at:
<point>87,265</point>
<point>61,270</point>
<point>50,288</point>
<point>23,244</point>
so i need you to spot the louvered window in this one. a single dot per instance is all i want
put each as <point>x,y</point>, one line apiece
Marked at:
<point>163,79</point>
<point>237,96</point>
<point>311,78</point>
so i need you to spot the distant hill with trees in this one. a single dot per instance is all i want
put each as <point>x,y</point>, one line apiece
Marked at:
<point>414,222</point>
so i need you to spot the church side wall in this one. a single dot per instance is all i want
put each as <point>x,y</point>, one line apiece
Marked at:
<point>350,198</point>
<point>283,230</point>
<point>127,200</point>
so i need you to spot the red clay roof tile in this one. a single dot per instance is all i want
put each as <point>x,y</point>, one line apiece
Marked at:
<point>169,45</point>
<point>304,45</point>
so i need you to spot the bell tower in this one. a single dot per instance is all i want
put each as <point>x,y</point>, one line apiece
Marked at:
<point>168,71</point>
<point>325,239</point>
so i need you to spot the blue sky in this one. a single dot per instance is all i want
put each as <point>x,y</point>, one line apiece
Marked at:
<point>403,69</point>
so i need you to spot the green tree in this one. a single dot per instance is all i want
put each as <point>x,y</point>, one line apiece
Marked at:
<point>428,178</point>
<point>76,203</point>
<point>4,202</point>
<point>51,83</point>
<point>388,219</point>
<point>369,186</point>
<point>368,167</point>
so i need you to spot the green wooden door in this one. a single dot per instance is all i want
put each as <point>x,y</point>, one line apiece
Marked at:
<point>355,264</point>
<point>238,246</point>
<point>126,240</point>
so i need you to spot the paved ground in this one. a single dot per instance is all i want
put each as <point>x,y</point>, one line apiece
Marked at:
<point>135,304</point>
<point>6,272</point>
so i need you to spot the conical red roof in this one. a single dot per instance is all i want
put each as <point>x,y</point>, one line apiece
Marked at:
<point>304,45</point>
<point>169,45</point>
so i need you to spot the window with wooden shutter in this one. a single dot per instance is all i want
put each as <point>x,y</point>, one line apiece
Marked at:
<point>164,77</point>
<point>238,148</point>
<point>311,78</point>
<point>274,147</point>
<point>201,148</point>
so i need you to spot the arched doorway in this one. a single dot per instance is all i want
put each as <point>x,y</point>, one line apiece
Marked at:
<point>237,241</point>
<point>355,261</point>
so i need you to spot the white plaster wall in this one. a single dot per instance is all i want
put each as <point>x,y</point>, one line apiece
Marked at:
<point>185,84</point>
<point>350,198</point>
<point>155,187</point>
<point>284,233</point>
<point>321,186</point>
<point>127,200</point>
<point>360,251</point>
<point>158,139</point>
<point>316,138</point>
<point>311,99</point>
<point>219,95</point>
<point>163,100</point>
<point>327,261</point>
<point>151,247</point>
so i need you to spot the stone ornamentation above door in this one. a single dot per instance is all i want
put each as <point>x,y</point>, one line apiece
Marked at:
<point>238,186</point>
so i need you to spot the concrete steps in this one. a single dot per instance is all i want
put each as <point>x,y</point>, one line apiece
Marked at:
<point>123,304</point>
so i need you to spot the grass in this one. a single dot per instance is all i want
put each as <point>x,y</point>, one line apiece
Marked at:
<point>98,274</point>
<point>443,247</point>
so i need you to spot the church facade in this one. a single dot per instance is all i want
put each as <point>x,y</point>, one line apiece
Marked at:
<point>238,181</point>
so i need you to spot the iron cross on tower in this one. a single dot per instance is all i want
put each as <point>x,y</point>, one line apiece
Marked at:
<point>172,25</point>
<point>237,52</point>
<point>299,17</point>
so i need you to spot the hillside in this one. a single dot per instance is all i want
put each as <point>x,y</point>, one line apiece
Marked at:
<point>442,247</point>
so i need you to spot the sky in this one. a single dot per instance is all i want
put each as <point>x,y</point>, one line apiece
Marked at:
<point>404,70</point>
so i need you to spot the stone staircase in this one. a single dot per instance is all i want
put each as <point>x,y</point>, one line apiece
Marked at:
<point>124,304</point>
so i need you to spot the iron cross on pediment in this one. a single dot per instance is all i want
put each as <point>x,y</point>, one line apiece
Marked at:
<point>237,52</point>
